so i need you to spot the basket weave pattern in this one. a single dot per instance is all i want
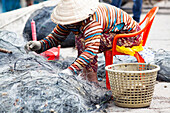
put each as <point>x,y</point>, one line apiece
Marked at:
<point>132,85</point>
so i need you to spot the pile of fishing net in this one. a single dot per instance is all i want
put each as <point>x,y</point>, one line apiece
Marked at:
<point>30,84</point>
<point>161,58</point>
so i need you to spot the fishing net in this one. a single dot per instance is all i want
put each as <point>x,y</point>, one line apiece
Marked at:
<point>30,84</point>
<point>162,58</point>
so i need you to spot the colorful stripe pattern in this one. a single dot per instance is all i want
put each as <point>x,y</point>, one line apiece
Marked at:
<point>56,37</point>
<point>106,19</point>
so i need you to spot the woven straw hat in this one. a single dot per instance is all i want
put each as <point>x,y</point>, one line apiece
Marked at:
<point>72,11</point>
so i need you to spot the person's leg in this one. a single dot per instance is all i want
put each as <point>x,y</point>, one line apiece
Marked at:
<point>29,2</point>
<point>105,45</point>
<point>137,9</point>
<point>17,4</point>
<point>89,73</point>
<point>117,3</point>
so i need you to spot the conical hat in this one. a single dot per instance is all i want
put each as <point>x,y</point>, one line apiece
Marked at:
<point>72,11</point>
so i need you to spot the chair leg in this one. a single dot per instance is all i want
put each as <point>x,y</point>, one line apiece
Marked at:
<point>139,58</point>
<point>108,61</point>
<point>107,81</point>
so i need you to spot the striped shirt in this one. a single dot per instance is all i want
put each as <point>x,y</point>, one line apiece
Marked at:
<point>106,19</point>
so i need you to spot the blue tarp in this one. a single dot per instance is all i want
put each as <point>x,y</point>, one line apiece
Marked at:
<point>9,5</point>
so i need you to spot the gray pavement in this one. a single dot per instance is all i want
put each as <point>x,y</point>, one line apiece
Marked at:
<point>160,102</point>
<point>159,38</point>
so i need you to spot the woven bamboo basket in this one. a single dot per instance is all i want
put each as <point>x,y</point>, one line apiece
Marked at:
<point>132,84</point>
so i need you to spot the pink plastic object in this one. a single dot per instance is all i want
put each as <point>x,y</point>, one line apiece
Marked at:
<point>33,29</point>
<point>51,54</point>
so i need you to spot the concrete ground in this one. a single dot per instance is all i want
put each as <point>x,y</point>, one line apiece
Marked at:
<point>160,102</point>
<point>159,38</point>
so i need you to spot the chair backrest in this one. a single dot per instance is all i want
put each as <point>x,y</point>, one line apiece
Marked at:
<point>145,30</point>
<point>148,20</point>
<point>148,23</point>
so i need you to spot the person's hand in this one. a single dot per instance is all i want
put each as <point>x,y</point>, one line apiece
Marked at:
<point>32,46</point>
<point>65,72</point>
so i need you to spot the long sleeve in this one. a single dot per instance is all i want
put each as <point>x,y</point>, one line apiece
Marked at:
<point>106,19</point>
<point>56,37</point>
<point>122,21</point>
<point>92,34</point>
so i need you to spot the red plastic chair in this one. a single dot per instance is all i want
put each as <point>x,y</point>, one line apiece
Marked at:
<point>144,32</point>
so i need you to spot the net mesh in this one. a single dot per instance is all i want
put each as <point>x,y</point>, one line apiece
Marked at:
<point>30,84</point>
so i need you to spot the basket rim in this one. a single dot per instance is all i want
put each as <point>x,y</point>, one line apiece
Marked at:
<point>120,71</point>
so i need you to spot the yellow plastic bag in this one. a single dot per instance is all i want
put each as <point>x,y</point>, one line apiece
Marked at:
<point>128,50</point>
